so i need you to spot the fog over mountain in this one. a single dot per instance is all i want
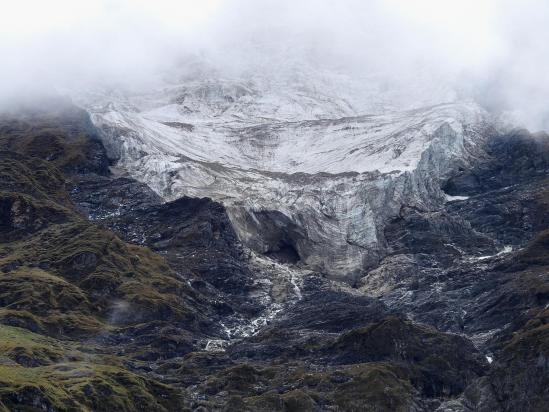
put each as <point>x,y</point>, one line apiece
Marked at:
<point>492,51</point>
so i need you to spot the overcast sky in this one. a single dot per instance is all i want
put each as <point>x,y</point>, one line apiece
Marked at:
<point>495,50</point>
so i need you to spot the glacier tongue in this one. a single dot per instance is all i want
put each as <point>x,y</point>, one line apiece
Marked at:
<point>298,169</point>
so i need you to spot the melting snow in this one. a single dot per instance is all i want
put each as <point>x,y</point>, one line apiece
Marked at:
<point>267,269</point>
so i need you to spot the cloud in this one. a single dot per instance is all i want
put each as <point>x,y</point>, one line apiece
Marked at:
<point>489,49</point>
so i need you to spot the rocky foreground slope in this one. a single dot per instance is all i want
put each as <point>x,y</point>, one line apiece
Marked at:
<point>113,299</point>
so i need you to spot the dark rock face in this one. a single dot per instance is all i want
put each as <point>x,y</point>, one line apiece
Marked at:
<point>510,215</point>
<point>333,312</point>
<point>510,159</point>
<point>422,349</point>
<point>434,233</point>
<point>507,195</point>
<point>194,235</point>
<point>111,299</point>
<point>485,277</point>
<point>178,125</point>
<point>100,197</point>
<point>519,377</point>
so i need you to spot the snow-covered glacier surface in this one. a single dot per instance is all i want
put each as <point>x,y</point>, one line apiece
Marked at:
<point>310,166</point>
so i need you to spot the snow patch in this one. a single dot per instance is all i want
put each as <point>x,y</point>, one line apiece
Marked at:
<point>455,198</point>
<point>504,251</point>
<point>216,345</point>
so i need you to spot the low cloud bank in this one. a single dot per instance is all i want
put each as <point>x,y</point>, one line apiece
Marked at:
<point>493,51</point>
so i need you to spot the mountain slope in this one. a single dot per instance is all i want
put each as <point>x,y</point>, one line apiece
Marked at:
<point>113,325</point>
<point>428,209</point>
<point>114,298</point>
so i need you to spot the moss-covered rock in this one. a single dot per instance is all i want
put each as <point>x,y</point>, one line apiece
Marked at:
<point>50,374</point>
<point>73,294</point>
<point>520,378</point>
<point>59,133</point>
<point>33,177</point>
<point>91,273</point>
<point>54,305</point>
<point>30,349</point>
<point>376,387</point>
<point>21,215</point>
<point>82,386</point>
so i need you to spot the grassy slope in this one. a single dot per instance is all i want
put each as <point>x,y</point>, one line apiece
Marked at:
<point>65,281</point>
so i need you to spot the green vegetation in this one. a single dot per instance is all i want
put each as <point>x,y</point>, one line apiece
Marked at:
<point>375,387</point>
<point>31,176</point>
<point>30,349</point>
<point>82,386</point>
<point>65,282</point>
<point>89,272</point>
<point>39,372</point>
<point>61,134</point>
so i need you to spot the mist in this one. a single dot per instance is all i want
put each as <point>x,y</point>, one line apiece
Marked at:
<point>487,50</point>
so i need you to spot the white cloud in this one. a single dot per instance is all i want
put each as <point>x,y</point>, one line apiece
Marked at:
<point>492,49</point>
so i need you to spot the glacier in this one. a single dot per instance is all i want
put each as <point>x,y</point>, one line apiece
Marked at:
<point>310,166</point>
